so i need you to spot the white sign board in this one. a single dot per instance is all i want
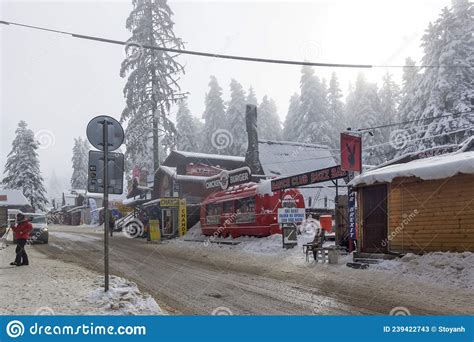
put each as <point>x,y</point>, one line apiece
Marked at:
<point>291,215</point>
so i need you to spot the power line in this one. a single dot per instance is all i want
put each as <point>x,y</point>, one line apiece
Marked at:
<point>223,56</point>
<point>410,141</point>
<point>412,121</point>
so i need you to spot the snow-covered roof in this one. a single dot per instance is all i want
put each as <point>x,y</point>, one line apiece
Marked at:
<point>438,167</point>
<point>285,158</point>
<point>210,156</point>
<point>171,171</point>
<point>12,198</point>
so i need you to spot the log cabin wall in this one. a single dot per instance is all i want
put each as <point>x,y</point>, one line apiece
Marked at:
<point>435,215</point>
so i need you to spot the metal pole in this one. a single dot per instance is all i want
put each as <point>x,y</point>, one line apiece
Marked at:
<point>105,127</point>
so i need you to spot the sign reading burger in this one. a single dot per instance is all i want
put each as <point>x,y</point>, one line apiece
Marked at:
<point>226,179</point>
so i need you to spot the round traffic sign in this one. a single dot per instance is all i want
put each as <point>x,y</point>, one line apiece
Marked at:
<point>95,132</point>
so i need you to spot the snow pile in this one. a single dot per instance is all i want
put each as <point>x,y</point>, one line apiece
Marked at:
<point>123,298</point>
<point>439,267</point>
<point>430,168</point>
<point>272,244</point>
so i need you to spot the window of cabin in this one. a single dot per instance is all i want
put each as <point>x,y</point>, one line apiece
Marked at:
<point>228,207</point>
<point>213,213</point>
<point>245,210</point>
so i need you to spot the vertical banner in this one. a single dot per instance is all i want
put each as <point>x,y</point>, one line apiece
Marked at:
<point>352,214</point>
<point>182,225</point>
<point>351,152</point>
<point>155,233</point>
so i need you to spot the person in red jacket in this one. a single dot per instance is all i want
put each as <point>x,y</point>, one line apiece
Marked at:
<point>22,232</point>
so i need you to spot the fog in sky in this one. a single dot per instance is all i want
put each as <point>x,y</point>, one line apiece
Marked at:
<point>58,83</point>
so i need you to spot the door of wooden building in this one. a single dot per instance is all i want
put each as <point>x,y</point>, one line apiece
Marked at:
<point>375,219</point>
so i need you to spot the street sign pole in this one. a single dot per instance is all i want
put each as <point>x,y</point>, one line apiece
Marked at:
<point>98,136</point>
<point>106,203</point>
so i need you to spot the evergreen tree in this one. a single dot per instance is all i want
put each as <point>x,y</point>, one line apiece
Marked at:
<point>363,110</point>
<point>335,111</point>
<point>22,168</point>
<point>54,188</point>
<point>445,90</point>
<point>409,84</point>
<point>80,161</point>
<point>269,126</point>
<point>290,132</point>
<point>312,121</point>
<point>152,85</point>
<point>236,118</point>
<point>252,97</point>
<point>389,101</point>
<point>214,116</point>
<point>189,129</point>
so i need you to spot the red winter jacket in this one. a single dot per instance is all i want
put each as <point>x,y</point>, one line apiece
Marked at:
<point>23,230</point>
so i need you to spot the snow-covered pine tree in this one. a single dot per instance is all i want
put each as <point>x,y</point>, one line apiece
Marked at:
<point>406,109</point>
<point>335,110</point>
<point>22,168</point>
<point>214,116</point>
<point>312,122</point>
<point>269,126</point>
<point>252,97</point>
<point>290,133</point>
<point>189,129</point>
<point>236,119</point>
<point>80,161</point>
<point>363,110</point>
<point>448,89</point>
<point>152,85</point>
<point>389,95</point>
<point>54,189</point>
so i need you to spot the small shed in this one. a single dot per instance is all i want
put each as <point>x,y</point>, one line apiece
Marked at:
<point>419,206</point>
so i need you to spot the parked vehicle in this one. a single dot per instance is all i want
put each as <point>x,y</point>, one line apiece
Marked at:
<point>244,210</point>
<point>40,227</point>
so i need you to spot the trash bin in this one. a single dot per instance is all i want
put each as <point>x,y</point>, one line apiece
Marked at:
<point>333,256</point>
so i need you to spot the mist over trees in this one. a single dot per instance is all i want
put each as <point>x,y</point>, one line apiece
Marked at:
<point>319,111</point>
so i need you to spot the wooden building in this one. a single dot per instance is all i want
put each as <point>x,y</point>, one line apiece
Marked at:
<point>420,206</point>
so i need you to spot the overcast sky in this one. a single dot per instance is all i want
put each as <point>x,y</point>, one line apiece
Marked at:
<point>58,83</point>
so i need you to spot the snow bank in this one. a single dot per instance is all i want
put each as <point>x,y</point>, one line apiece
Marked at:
<point>453,269</point>
<point>55,287</point>
<point>259,245</point>
<point>123,298</point>
<point>438,167</point>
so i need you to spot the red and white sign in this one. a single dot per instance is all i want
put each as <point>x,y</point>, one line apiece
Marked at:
<point>351,152</point>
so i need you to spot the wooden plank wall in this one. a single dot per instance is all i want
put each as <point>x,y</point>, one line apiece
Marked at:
<point>436,215</point>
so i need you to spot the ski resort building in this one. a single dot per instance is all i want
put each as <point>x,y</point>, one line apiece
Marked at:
<point>420,206</point>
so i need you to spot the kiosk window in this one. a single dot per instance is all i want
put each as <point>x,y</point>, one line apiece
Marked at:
<point>228,207</point>
<point>214,209</point>
<point>246,210</point>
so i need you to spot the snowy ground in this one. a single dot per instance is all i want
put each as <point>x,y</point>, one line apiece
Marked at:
<point>54,287</point>
<point>256,277</point>
<point>444,268</point>
<point>450,269</point>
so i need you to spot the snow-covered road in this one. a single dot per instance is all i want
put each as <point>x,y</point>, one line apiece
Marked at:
<point>198,278</point>
<point>50,286</point>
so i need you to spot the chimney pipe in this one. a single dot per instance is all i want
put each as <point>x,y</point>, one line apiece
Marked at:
<point>251,157</point>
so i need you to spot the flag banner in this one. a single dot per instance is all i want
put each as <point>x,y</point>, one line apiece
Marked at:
<point>351,153</point>
<point>237,328</point>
